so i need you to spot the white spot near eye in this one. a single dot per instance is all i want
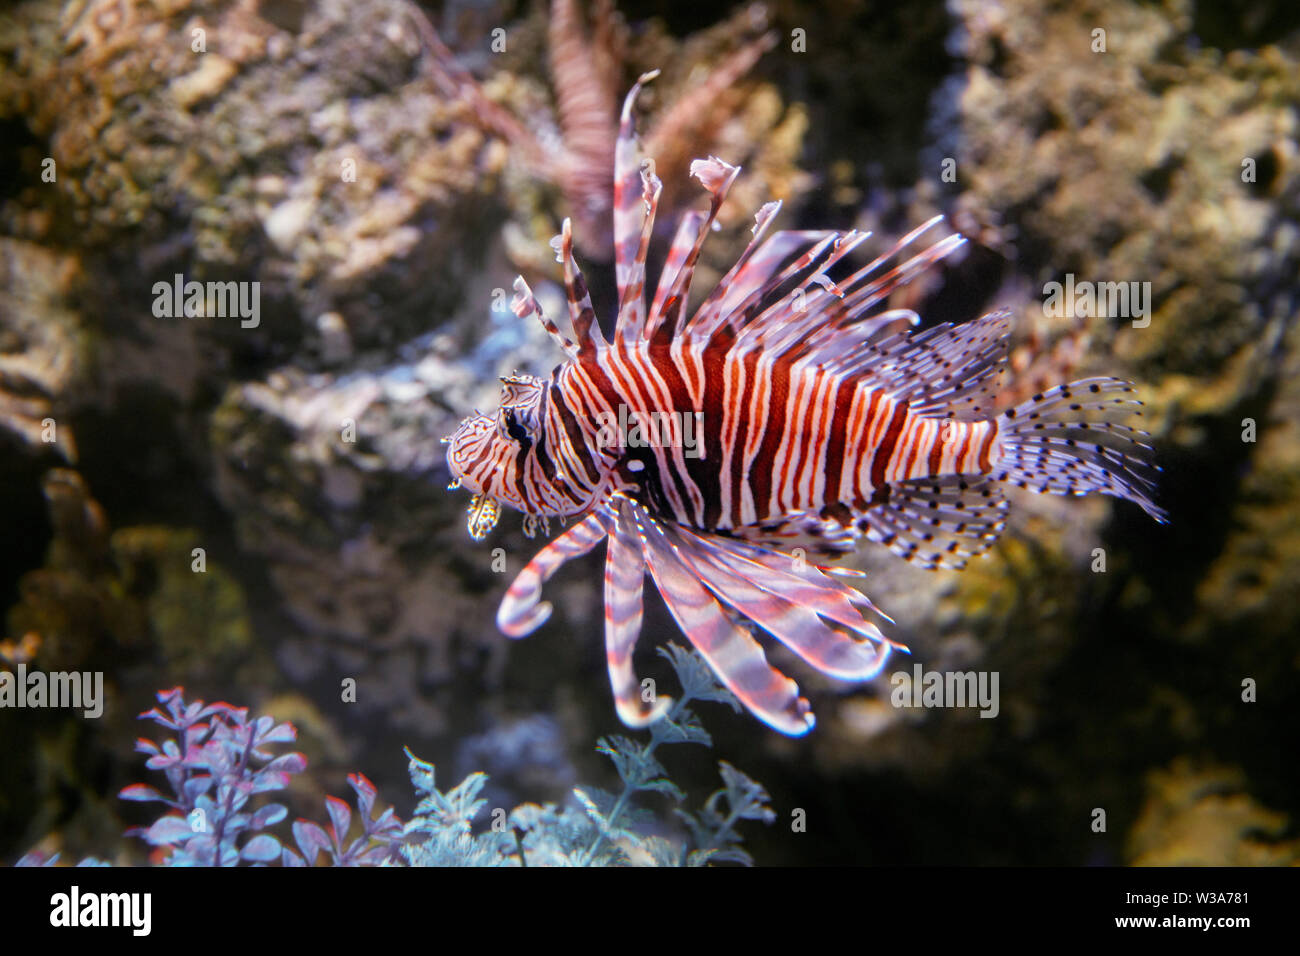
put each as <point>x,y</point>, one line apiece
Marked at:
<point>636,466</point>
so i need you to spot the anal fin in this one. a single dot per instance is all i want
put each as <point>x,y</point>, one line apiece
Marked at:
<point>937,522</point>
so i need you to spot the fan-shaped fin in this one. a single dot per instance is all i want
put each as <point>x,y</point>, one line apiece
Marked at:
<point>1060,442</point>
<point>724,642</point>
<point>799,627</point>
<point>797,580</point>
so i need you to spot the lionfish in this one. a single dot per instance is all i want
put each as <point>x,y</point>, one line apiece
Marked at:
<point>791,411</point>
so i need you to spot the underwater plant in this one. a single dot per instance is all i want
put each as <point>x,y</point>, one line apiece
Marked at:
<point>598,828</point>
<point>215,765</point>
<point>218,762</point>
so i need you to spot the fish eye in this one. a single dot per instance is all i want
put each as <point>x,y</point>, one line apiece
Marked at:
<point>513,428</point>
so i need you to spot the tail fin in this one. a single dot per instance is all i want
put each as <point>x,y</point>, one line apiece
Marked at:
<point>1063,442</point>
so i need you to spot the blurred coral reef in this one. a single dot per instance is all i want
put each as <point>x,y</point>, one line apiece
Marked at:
<point>310,148</point>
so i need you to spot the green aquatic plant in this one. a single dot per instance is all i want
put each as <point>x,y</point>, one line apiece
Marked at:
<point>219,761</point>
<point>597,827</point>
<point>712,829</point>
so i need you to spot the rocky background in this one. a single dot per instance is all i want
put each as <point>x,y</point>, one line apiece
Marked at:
<point>301,456</point>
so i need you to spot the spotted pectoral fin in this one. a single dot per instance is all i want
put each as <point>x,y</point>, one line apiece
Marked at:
<point>522,610</point>
<point>718,633</point>
<point>937,522</point>
<point>482,516</point>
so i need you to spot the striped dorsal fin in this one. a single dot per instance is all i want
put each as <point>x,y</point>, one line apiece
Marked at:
<point>688,229</point>
<point>740,309</point>
<point>525,303</point>
<point>679,268</point>
<point>780,303</point>
<point>581,313</point>
<point>944,372</point>
<point>631,304</point>
<point>825,309</point>
<point>636,195</point>
<point>741,278</point>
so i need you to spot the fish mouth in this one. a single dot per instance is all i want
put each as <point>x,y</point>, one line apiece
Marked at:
<point>464,446</point>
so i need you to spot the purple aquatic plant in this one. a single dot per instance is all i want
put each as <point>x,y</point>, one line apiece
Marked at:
<point>215,766</point>
<point>378,843</point>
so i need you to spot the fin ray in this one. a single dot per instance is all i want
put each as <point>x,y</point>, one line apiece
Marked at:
<point>581,313</point>
<point>522,610</point>
<point>799,627</point>
<point>625,569</point>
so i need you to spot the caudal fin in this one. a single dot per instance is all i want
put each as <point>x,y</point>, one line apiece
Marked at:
<point>1064,442</point>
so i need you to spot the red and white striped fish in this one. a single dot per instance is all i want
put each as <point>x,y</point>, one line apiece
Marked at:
<point>787,411</point>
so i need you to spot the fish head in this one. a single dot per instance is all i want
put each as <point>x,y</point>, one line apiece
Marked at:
<point>489,455</point>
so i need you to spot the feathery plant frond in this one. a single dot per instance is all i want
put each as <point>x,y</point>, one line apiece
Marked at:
<point>636,764</point>
<point>444,823</point>
<point>219,762</point>
<point>598,828</point>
